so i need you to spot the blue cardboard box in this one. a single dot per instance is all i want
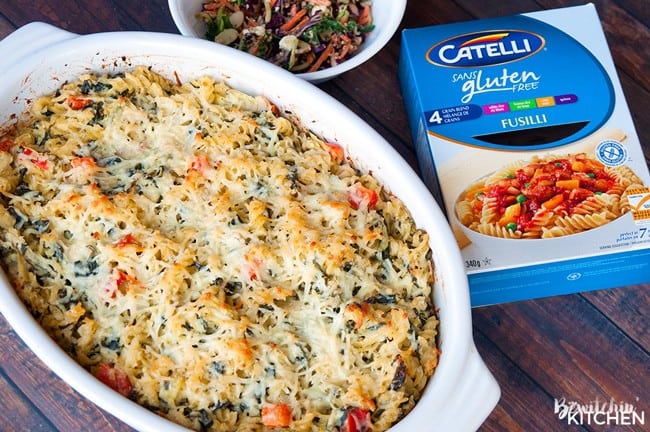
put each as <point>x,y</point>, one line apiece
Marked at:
<point>523,134</point>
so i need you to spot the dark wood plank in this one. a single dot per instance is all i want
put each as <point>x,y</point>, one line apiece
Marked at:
<point>627,37</point>
<point>478,8</point>
<point>18,412</point>
<point>637,100</point>
<point>64,407</point>
<point>628,309</point>
<point>626,28</point>
<point>377,98</point>
<point>419,14</point>
<point>5,27</point>
<point>75,16</point>
<point>628,40</point>
<point>155,17</point>
<point>519,394</point>
<point>570,349</point>
<point>638,9</point>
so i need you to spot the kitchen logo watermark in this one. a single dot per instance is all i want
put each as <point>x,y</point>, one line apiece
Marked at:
<point>599,413</point>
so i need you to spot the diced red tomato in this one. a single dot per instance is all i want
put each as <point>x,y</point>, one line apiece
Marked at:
<point>41,163</point>
<point>274,109</point>
<point>6,144</point>
<point>200,164</point>
<point>252,266</point>
<point>276,415</point>
<point>123,280</point>
<point>602,185</point>
<point>109,290</point>
<point>358,312</point>
<point>359,196</point>
<point>580,194</point>
<point>336,151</point>
<point>114,378</point>
<point>356,420</point>
<point>77,103</point>
<point>118,281</point>
<point>34,157</point>
<point>86,162</point>
<point>126,240</point>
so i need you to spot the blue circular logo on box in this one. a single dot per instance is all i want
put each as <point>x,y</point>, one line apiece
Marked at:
<point>611,153</point>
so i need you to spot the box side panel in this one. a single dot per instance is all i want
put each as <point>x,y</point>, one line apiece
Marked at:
<point>564,277</point>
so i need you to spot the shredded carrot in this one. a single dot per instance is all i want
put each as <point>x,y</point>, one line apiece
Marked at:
<point>347,45</point>
<point>327,52</point>
<point>301,24</point>
<point>294,20</point>
<point>213,6</point>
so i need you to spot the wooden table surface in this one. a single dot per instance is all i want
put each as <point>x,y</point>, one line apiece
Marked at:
<point>583,347</point>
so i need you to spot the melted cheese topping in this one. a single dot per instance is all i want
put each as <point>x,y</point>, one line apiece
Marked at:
<point>209,258</point>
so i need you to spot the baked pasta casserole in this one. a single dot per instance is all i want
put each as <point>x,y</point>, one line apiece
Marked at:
<point>213,260</point>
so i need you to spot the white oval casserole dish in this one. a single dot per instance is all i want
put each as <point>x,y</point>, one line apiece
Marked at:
<point>38,58</point>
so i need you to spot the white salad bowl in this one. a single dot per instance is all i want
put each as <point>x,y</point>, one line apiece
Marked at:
<point>387,15</point>
<point>38,58</point>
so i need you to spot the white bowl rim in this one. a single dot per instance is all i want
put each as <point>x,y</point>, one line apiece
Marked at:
<point>382,35</point>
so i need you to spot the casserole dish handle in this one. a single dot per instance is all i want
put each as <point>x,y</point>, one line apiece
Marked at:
<point>28,39</point>
<point>477,393</point>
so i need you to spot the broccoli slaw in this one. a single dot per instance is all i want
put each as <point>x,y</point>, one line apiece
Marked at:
<point>298,35</point>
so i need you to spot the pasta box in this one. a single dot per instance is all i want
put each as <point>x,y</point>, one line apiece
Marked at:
<point>524,136</point>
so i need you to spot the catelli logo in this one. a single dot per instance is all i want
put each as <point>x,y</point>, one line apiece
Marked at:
<point>485,48</point>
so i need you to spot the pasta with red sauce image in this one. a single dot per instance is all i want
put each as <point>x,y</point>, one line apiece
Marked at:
<point>546,197</point>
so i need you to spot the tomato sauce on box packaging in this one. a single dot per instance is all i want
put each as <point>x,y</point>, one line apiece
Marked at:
<point>524,136</point>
